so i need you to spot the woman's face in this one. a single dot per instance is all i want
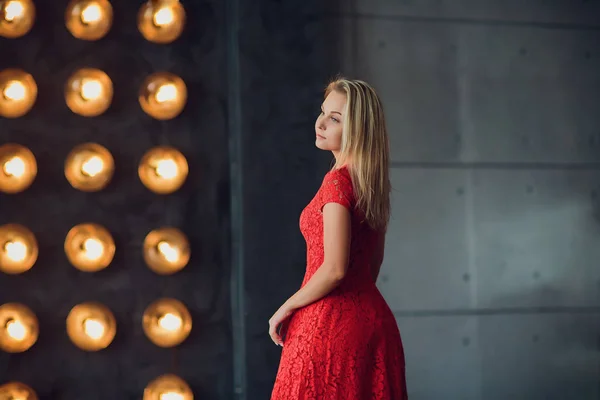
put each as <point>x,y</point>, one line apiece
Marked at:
<point>330,123</point>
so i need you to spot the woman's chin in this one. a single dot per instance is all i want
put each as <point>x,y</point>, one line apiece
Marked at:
<point>320,144</point>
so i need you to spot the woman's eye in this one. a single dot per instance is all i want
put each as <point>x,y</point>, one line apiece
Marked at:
<point>335,119</point>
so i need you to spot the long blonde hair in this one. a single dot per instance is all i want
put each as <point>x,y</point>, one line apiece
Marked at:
<point>365,149</point>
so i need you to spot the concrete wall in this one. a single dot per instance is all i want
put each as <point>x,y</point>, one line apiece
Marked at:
<point>492,255</point>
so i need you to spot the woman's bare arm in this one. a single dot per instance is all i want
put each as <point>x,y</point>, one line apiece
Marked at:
<point>336,243</point>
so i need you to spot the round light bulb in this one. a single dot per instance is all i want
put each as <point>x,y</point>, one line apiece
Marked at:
<point>14,167</point>
<point>91,89</point>
<point>166,250</point>
<point>89,167</point>
<point>18,92</point>
<point>170,253</point>
<point>16,250</point>
<point>92,167</point>
<point>91,13</point>
<point>163,169</point>
<point>93,249</point>
<point>166,169</point>
<point>166,93</point>
<point>17,391</point>
<point>89,19</point>
<point>167,322</point>
<point>16,330</point>
<point>18,168</point>
<point>171,396</point>
<point>16,17</point>
<point>19,328</point>
<point>89,92</point>
<point>164,16</point>
<point>170,322</point>
<point>13,10</point>
<point>163,95</point>
<point>15,91</point>
<point>161,21</point>
<point>89,247</point>
<point>93,328</point>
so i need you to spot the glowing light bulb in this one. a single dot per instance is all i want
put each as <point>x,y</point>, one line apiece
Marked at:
<point>92,13</point>
<point>170,253</point>
<point>164,16</point>
<point>16,330</point>
<point>14,167</point>
<point>167,92</point>
<point>93,248</point>
<point>13,10</point>
<point>93,328</point>
<point>166,169</point>
<point>15,91</point>
<point>91,89</point>
<point>16,250</point>
<point>92,166</point>
<point>170,322</point>
<point>171,396</point>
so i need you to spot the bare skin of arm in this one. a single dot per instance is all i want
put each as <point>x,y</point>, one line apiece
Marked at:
<point>336,242</point>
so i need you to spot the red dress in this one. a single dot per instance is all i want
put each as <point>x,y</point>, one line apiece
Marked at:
<point>346,345</point>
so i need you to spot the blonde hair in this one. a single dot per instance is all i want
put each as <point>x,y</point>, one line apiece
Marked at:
<point>365,149</point>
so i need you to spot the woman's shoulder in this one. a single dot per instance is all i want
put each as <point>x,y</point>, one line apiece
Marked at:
<point>337,184</point>
<point>339,173</point>
<point>340,178</point>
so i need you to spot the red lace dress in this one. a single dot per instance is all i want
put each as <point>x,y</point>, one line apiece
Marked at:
<point>346,345</point>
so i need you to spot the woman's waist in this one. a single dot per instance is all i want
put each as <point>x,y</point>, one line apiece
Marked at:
<point>357,276</point>
<point>345,302</point>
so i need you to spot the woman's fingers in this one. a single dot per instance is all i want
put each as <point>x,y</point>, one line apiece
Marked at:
<point>273,333</point>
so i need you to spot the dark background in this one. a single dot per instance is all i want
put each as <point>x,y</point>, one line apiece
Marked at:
<point>255,73</point>
<point>54,367</point>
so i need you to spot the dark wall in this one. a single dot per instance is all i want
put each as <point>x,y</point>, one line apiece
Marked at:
<point>288,52</point>
<point>54,367</point>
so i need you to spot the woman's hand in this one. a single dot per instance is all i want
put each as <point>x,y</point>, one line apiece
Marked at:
<point>280,316</point>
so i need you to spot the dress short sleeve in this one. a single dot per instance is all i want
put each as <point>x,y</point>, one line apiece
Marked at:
<point>337,188</point>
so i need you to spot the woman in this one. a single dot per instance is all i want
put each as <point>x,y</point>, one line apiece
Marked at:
<point>341,339</point>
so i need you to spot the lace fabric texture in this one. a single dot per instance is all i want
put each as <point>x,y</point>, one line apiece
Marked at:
<point>347,345</point>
